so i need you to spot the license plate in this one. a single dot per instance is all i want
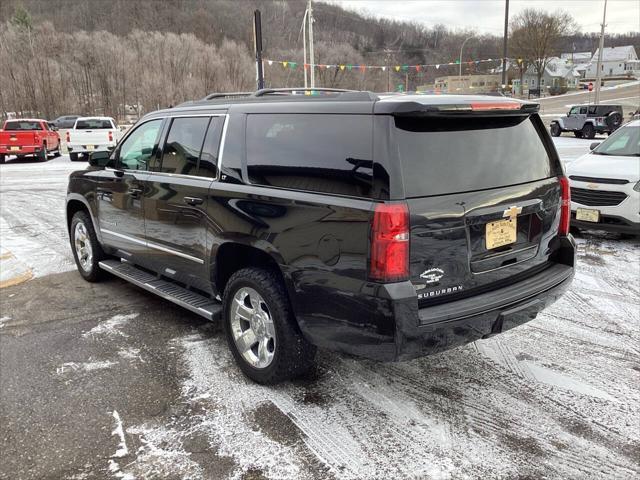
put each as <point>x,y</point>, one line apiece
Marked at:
<point>588,215</point>
<point>14,149</point>
<point>90,147</point>
<point>500,233</point>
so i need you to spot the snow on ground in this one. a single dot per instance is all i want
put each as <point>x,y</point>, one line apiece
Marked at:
<point>556,398</point>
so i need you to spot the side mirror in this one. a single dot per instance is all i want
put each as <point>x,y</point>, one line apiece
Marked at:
<point>594,145</point>
<point>99,158</point>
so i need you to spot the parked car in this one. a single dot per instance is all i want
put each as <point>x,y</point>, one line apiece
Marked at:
<point>90,134</point>
<point>587,120</point>
<point>388,228</point>
<point>66,121</point>
<point>605,183</point>
<point>28,137</point>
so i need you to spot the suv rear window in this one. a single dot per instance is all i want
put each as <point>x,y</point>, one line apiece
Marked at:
<point>451,155</point>
<point>22,125</point>
<point>319,153</point>
<point>93,124</point>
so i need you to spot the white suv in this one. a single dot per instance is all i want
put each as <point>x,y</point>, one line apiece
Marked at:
<point>605,183</point>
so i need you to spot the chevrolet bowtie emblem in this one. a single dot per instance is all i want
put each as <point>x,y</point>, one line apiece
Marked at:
<point>512,212</point>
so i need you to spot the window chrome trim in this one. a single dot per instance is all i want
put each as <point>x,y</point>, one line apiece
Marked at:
<point>223,138</point>
<point>155,246</point>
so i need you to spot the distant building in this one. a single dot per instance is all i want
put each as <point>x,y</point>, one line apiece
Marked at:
<point>577,58</point>
<point>465,84</point>
<point>616,61</point>
<point>559,76</point>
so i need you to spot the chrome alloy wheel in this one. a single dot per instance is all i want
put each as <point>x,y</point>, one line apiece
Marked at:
<point>82,243</point>
<point>253,329</point>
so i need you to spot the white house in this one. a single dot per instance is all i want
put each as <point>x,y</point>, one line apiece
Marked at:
<point>559,76</point>
<point>616,61</point>
<point>577,58</point>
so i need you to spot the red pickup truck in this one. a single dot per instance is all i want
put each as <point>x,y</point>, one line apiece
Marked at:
<point>28,136</point>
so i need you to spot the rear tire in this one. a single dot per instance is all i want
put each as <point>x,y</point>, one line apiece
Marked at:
<point>87,251</point>
<point>578,134</point>
<point>588,131</point>
<point>555,130</point>
<point>2,158</point>
<point>73,157</point>
<point>261,330</point>
<point>57,152</point>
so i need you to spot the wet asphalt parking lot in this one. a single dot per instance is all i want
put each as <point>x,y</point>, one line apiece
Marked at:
<point>107,381</point>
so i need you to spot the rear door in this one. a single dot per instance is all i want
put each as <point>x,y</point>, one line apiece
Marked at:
<point>483,197</point>
<point>175,202</point>
<point>120,190</point>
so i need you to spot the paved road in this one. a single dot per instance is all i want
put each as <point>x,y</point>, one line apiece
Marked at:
<point>107,381</point>
<point>627,96</point>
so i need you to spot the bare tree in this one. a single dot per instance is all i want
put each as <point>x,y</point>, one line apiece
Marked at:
<point>535,36</point>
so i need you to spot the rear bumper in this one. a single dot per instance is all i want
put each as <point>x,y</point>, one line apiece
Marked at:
<point>419,332</point>
<point>24,150</point>
<point>609,223</point>
<point>82,149</point>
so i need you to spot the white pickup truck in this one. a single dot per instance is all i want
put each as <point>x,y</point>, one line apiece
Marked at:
<point>89,134</point>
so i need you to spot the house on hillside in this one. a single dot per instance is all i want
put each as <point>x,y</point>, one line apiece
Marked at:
<point>577,58</point>
<point>559,76</point>
<point>616,61</point>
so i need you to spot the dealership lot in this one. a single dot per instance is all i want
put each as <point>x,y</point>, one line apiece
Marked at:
<point>107,381</point>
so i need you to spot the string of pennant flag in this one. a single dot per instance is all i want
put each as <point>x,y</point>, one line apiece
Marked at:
<point>362,68</point>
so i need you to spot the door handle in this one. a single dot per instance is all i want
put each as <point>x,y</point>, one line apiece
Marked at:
<point>193,201</point>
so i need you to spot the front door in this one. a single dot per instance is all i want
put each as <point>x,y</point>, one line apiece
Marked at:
<point>120,190</point>
<point>175,202</point>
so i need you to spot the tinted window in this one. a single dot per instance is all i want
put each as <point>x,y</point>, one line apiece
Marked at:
<point>208,166</point>
<point>583,109</point>
<point>93,124</point>
<point>138,148</point>
<point>450,155</point>
<point>320,153</point>
<point>182,148</point>
<point>22,125</point>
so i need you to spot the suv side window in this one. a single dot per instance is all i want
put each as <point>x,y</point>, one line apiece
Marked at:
<point>574,111</point>
<point>319,153</point>
<point>208,166</point>
<point>592,109</point>
<point>183,145</point>
<point>583,110</point>
<point>139,147</point>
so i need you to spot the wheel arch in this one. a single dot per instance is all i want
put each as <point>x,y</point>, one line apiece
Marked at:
<point>76,203</point>
<point>232,255</point>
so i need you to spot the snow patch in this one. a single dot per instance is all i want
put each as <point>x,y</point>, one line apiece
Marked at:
<point>122,446</point>
<point>111,326</point>
<point>87,367</point>
<point>3,320</point>
<point>131,354</point>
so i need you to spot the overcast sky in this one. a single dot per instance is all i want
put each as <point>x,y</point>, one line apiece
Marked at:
<point>487,16</point>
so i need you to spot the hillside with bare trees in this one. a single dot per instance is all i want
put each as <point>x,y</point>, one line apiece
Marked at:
<point>95,57</point>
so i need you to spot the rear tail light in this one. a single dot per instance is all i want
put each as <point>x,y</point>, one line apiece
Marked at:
<point>480,106</point>
<point>110,136</point>
<point>68,137</point>
<point>390,243</point>
<point>565,206</point>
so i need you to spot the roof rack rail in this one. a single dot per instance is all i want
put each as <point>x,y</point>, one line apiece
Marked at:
<point>211,96</point>
<point>268,91</point>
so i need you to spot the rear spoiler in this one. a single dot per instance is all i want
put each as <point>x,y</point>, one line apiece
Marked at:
<point>481,108</point>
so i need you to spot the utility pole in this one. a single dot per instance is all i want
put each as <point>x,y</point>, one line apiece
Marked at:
<point>460,58</point>
<point>599,64</point>
<point>311,56</point>
<point>504,44</point>
<point>388,52</point>
<point>304,44</point>
<point>257,41</point>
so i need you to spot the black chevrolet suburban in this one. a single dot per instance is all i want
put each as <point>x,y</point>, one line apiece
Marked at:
<point>387,227</point>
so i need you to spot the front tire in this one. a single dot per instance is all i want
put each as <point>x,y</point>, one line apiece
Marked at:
<point>73,157</point>
<point>588,131</point>
<point>2,158</point>
<point>555,130</point>
<point>261,330</point>
<point>87,251</point>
